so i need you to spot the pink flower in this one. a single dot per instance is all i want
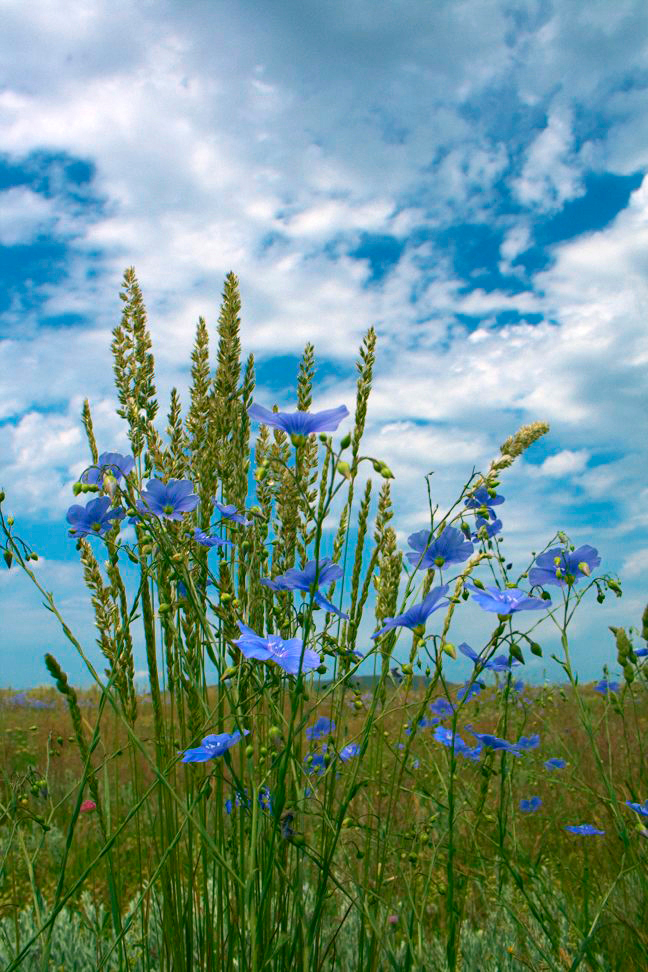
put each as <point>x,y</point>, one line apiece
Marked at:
<point>392,919</point>
<point>87,806</point>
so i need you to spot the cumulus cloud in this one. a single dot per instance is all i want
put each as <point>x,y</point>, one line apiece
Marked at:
<point>282,144</point>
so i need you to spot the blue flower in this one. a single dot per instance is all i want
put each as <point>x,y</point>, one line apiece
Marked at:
<point>451,547</point>
<point>94,518</point>
<point>352,749</point>
<point>315,762</point>
<point>230,513</point>
<point>530,806</point>
<point>528,742</point>
<point>304,580</point>
<point>321,728</point>
<point>417,615</point>
<point>273,648</point>
<point>491,528</point>
<point>213,746</point>
<point>555,763</point>
<point>604,686</point>
<point>638,808</point>
<point>494,742</point>
<point>507,601</point>
<point>300,423</point>
<point>168,501</point>
<point>109,462</point>
<point>586,829</point>
<point>557,565</point>
<point>441,707</point>
<point>206,541</point>
<point>423,724</point>
<point>467,690</point>
<point>481,498</point>
<point>500,664</point>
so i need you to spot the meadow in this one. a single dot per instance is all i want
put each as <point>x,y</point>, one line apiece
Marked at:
<point>265,807</point>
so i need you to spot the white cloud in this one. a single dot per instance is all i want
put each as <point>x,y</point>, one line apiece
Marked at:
<point>268,144</point>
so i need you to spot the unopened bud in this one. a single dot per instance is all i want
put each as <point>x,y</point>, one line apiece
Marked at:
<point>8,556</point>
<point>164,608</point>
<point>584,568</point>
<point>229,673</point>
<point>76,489</point>
<point>346,441</point>
<point>345,469</point>
<point>10,520</point>
<point>516,652</point>
<point>386,472</point>
<point>478,584</point>
<point>536,649</point>
<point>449,649</point>
<point>612,584</point>
<point>321,669</point>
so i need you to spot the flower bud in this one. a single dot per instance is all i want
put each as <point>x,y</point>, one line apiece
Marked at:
<point>76,489</point>
<point>8,556</point>
<point>386,472</point>
<point>346,441</point>
<point>321,669</point>
<point>536,649</point>
<point>249,751</point>
<point>229,673</point>
<point>274,732</point>
<point>449,649</point>
<point>10,520</point>
<point>516,652</point>
<point>478,584</point>
<point>345,469</point>
<point>612,584</point>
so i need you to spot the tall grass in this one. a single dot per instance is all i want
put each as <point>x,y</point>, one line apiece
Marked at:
<point>388,838</point>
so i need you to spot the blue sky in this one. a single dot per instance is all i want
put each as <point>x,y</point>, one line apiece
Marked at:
<point>468,177</point>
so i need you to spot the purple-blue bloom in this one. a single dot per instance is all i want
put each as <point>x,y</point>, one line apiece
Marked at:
<point>206,541</point>
<point>417,615</point>
<point>467,690</point>
<point>530,806</point>
<point>213,746</point>
<point>481,498</point>
<point>555,763</point>
<point>315,761</point>
<point>528,742</point>
<point>304,580</point>
<point>554,565</point>
<point>352,749</point>
<point>109,462</point>
<point>604,686</point>
<point>168,501</point>
<point>507,601</point>
<point>423,724</point>
<point>451,547</point>
<point>273,648</point>
<point>321,728</point>
<point>494,742</point>
<point>230,513</point>
<point>638,808</point>
<point>502,663</point>
<point>93,519</point>
<point>300,423</point>
<point>491,528</point>
<point>586,829</point>
<point>441,707</point>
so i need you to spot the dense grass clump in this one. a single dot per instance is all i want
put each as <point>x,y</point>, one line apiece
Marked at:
<point>265,807</point>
